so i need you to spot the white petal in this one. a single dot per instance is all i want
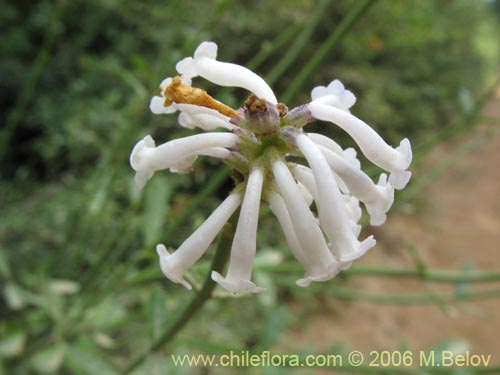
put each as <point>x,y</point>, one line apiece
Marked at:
<point>331,207</point>
<point>206,49</point>
<point>278,208</point>
<point>165,83</point>
<point>156,106</point>
<point>175,265</point>
<point>145,158</point>
<point>305,176</point>
<point>223,73</point>
<point>193,109</point>
<point>305,227</point>
<point>318,92</point>
<point>239,273</point>
<point>186,121</point>
<point>378,198</point>
<point>203,121</point>
<point>185,165</point>
<point>335,87</point>
<point>334,95</point>
<point>373,146</point>
<point>187,67</point>
<point>348,154</point>
<point>348,99</point>
<point>353,209</point>
<point>306,194</point>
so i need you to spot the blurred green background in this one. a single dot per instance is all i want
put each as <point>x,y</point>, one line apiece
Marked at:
<point>81,288</point>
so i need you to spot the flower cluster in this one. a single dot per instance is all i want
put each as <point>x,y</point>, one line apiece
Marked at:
<point>259,138</point>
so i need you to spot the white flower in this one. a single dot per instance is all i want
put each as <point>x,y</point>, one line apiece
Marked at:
<point>259,138</point>
<point>334,94</point>
<point>239,273</point>
<point>349,154</point>
<point>323,265</point>
<point>175,265</point>
<point>373,146</point>
<point>377,198</point>
<point>204,64</point>
<point>147,159</point>
<point>331,206</point>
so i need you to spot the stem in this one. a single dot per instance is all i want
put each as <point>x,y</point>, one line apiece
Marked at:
<point>316,59</point>
<point>220,259</point>
<point>404,299</point>
<point>438,276</point>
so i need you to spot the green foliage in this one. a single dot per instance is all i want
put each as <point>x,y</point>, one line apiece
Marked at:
<point>81,290</point>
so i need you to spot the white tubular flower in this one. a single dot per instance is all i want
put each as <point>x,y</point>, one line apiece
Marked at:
<point>334,94</point>
<point>186,165</point>
<point>306,194</point>
<point>145,158</point>
<point>306,228</point>
<point>203,121</point>
<point>204,64</point>
<point>239,273</point>
<point>331,206</point>
<point>306,178</point>
<point>373,146</point>
<point>353,208</point>
<point>349,154</point>
<point>175,265</point>
<point>262,135</point>
<point>378,198</point>
<point>312,265</point>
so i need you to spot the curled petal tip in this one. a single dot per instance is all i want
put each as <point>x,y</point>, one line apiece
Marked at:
<point>187,67</point>
<point>404,149</point>
<point>332,271</point>
<point>139,161</point>
<point>238,286</point>
<point>156,106</point>
<point>206,49</point>
<point>399,179</point>
<point>141,178</point>
<point>377,219</point>
<point>363,247</point>
<point>166,268</point>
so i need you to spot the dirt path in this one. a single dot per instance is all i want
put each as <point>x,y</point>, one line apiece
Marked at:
<point>458,221</point>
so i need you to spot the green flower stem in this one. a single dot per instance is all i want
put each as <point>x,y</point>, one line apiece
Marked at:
<point>298,45</point>
<point>429,275</point>
<point>404,299</point>
<point>349,21</point>
<point>32,78</point>
<point>220,259</point>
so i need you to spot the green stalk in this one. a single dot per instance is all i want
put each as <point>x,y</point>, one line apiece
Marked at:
<point>405,299</point>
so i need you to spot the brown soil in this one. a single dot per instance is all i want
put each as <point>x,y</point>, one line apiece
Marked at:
<point>457,221</point>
